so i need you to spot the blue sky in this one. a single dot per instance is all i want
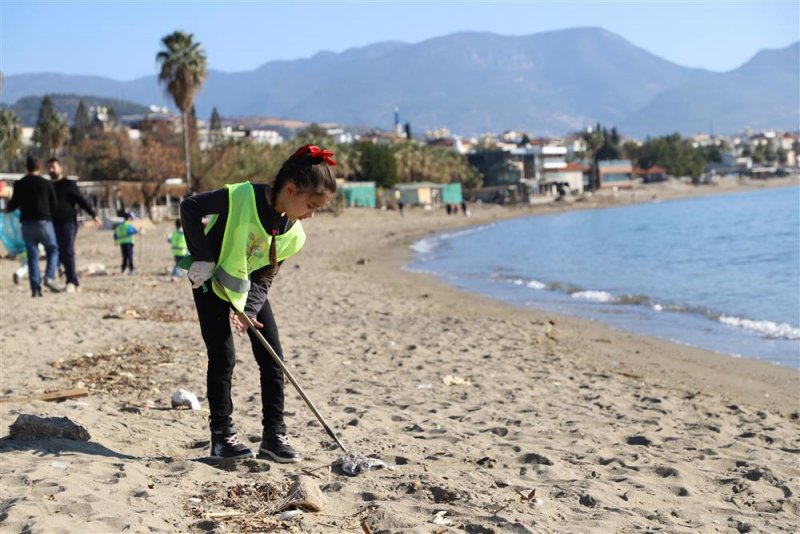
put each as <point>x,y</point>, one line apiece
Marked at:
<point>120,39</point>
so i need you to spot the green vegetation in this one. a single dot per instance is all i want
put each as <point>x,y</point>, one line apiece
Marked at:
<point>10,140</point>
<point>51,130</point>
<point>183,71</point>
<point>66,105</point>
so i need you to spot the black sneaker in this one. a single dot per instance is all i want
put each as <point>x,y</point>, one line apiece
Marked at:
<point>15,278</point>
<point>50,284</point>
<point>36,292</point>
<point>227,445</point>
<point>277,447</point>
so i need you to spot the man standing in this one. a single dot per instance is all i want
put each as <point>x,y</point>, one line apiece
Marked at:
<point>65,220</point>
<point>36,200</point>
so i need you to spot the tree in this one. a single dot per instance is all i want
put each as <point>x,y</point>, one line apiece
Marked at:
<point>183,71</point>
<point>157,159</point>
<point>407,129</point>
<point>377,164</point>
<point>81,124</point>
<point>216,121</point>
<point>51,130</point>
<point>10,140</point>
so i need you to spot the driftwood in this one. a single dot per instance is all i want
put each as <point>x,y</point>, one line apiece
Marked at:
<point>51,396</point>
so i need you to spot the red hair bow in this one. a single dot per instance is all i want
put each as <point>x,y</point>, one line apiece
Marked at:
<point>315,152</point>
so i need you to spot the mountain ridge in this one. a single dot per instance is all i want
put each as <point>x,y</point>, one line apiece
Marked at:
<point>472,82</point>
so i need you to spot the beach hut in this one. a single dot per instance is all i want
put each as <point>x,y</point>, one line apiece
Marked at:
<point>359,194</point>
<point>451,193</point>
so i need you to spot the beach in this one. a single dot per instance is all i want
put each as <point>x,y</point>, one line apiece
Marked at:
<point>496,419</point>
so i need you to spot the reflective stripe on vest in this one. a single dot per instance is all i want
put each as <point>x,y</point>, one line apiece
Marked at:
<point>245,245</point>
<point>121,235</point>
<point>178,242</point>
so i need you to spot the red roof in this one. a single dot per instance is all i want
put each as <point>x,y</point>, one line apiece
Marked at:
<point>652,170</point>
<point>575,167</point>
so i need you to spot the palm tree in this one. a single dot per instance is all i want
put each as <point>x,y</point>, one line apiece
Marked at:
<point>183,71</point>
<point>10,139</point>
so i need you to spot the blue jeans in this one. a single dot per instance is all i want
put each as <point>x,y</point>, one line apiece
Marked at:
<point>33,233</point>
<point>177,272</point>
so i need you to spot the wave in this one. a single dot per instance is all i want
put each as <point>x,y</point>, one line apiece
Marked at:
<point>595,296</point>
<point>768,329</point>
<point>428,245</point>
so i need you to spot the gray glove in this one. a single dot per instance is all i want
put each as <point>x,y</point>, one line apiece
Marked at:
<point>199,272</point>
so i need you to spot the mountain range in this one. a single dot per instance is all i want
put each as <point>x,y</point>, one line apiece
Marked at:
<point>547,84</point>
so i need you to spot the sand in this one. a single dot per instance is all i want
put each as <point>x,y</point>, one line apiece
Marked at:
<point>477,402</point>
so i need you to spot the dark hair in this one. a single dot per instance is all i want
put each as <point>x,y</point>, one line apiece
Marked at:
<point>53,160</point>
<point>32,163</point>
<point>310,174</point>
<point>177,223</point>
<point>126,216</point>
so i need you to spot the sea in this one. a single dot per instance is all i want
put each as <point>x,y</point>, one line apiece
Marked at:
<point>719,272</point>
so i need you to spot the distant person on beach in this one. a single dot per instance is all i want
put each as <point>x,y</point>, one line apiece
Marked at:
<point>123,236</point>
<point>233,262</point>
<point>177,241</point>
<point>65,220</point>
<point>36,200</point>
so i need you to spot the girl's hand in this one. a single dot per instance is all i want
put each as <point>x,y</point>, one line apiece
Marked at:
<point>239,322</point>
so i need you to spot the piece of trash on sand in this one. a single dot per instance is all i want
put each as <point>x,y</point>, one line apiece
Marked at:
<point>59,465</point>
<point>290,514</point>
<point>183,399</point>
<point>440,519</point>
<point>451,380</point>
<point>354,464</point>
<point>424,386</point>
<point>33,427</point>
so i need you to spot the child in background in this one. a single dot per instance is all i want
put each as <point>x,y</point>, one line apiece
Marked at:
<point>234,259</point>
<point>123,236</point>
<point>179,249</point>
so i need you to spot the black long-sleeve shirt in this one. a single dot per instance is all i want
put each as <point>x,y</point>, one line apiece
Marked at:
<point>207,247</point>
<point>35,198</point>
<point>67,197</point>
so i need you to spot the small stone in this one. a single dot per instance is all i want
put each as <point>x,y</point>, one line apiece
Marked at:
<point>31,427</point>
<point>639,440</point>
<point>305,494</point>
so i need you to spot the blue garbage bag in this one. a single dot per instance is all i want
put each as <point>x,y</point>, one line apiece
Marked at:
<point>11,232</point>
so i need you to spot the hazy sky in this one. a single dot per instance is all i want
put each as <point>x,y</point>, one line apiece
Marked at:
<point>120,39</point>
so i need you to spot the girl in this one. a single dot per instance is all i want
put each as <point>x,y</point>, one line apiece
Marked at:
<point>252,229</point>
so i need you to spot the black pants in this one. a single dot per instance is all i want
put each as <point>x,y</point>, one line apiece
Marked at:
<point>127,256</point>
<point>65,236</point>
<point>215,326</point>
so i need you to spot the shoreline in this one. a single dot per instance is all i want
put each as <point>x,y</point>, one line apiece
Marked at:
<point>477,402</point>
<point>785,359</point>
<point>721,366</point>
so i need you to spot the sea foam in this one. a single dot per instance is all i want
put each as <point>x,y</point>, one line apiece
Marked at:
<point>766,328</point>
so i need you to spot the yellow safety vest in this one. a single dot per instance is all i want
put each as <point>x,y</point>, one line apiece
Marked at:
<point>178,242</point>
<point>245,245</point>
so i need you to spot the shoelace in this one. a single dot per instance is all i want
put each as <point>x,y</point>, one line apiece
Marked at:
<point>232,440</point>
<point>283,439</point>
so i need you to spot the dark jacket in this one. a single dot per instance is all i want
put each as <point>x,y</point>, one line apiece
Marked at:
<point>35,198</point>
<point>67,197</point>
<point>207,247</point>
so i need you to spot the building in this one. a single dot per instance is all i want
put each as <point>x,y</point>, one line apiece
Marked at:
<point>615,173</point>
<point>563,180</point>
<point>359,194</point>
<point>653,174</point>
